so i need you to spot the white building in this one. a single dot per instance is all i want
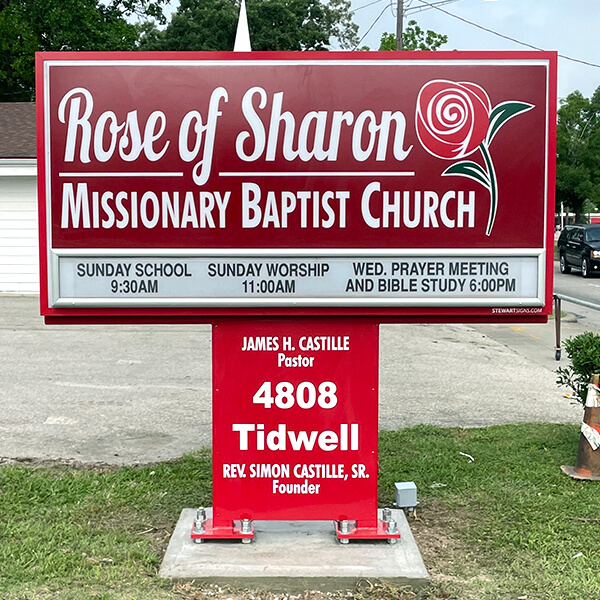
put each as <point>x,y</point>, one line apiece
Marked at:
<point>19,262</point>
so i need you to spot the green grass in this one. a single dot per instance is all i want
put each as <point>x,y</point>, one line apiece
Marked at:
<point>517,521</point>
<point>525,522</point>
<point>93,533</point>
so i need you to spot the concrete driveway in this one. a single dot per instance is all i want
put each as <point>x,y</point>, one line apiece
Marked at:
<point>137,394</point>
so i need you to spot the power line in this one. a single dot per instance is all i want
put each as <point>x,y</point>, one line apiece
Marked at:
<point>372,25</point>
<point>370,4</point>
<point>507,37</point>
<point>422,8</point>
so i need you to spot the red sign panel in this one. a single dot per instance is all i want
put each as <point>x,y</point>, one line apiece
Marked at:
<point>413,185</point>
<point>295,420</point>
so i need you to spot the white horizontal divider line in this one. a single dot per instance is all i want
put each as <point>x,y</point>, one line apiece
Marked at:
<point>123,174</point>
<point>317,174</point>
<point>247,174</point>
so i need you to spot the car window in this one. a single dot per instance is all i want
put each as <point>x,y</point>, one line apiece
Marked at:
<point>592,235</point>
<point>577,236</point>
<point>565,234</point>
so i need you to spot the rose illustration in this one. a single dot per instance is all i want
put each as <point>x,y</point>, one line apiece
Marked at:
<point>454,119</point>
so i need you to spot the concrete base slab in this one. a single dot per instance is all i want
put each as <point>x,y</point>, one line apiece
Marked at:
<point>292,556</point>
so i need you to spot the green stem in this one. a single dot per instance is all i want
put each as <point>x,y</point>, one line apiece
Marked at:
<point>493,186</point>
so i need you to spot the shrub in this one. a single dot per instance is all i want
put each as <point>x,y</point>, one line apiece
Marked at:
<point>584,352</point>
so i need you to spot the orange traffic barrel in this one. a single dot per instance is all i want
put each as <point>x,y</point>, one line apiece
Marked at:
<point>588,456</point>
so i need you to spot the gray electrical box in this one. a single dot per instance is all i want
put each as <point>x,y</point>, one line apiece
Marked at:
<point>406,494</point>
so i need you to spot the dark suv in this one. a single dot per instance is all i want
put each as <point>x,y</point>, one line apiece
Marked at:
<point>579,248</point>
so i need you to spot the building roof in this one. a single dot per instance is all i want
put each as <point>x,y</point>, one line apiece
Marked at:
<point>17,130</point>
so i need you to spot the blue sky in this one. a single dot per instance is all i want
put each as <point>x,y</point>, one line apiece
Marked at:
<point>571,27</point>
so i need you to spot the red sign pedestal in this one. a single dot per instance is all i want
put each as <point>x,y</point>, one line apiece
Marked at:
<point>295,409</point>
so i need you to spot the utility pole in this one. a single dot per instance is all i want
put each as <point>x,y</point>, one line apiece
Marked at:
<point>399,24</point>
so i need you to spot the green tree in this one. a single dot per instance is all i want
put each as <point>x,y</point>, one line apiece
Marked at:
<point>141,9</point>
<point>578,153</point>
<point>29,26</point>
<point>414,38</point>
<point>273,24</point>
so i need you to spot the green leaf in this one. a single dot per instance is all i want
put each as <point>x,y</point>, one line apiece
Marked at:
<point>502,113</point>
<point>471,170</point>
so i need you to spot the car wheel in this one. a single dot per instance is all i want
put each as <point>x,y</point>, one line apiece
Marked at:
<point>585,267</point>
<point>564,268</point>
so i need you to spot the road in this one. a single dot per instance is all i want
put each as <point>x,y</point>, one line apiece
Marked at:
<point>575,286</point>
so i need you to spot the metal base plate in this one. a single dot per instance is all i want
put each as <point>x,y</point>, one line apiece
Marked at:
<point>377,530</point>
<point>234,532</point>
